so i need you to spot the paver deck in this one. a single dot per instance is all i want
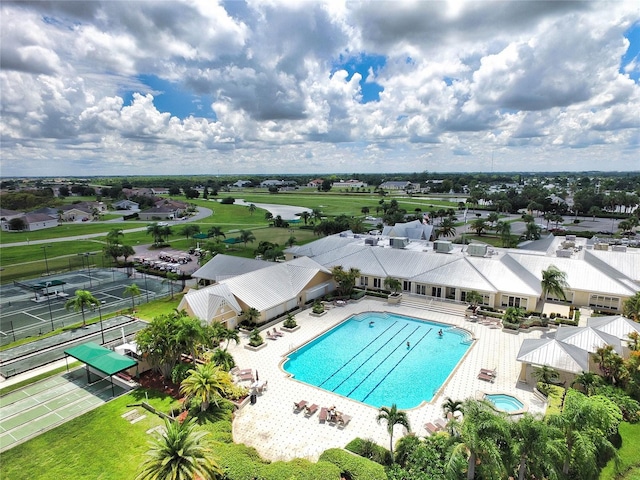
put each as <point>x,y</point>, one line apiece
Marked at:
<point>278,433</point>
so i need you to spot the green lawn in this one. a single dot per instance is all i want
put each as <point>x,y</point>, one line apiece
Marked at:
<point>629,458</point>
<point>67,230</point>
<point>97,445</point>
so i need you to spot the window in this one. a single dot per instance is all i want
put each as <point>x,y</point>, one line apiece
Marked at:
<point>364,281</point>
<point>510,301</point>
<point>421,289</point>
<point>406,286</point>
<point>436,292</point>
<point>377,283</point>
<point>601,301</point>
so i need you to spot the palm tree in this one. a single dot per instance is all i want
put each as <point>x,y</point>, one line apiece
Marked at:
<point>481,432</point>
<point>504,230</point>
<point>215,232</point>
<point>631,307</point>
<point>392,284</point>
<point>546,376</point>
<point>447,228</point>
<point>532,231</point>
<point>479,225</point>
<point>393,417</point>
<point>346,280</point>
<point>588,381</point>
<point>190,230</point>
<point>251,314</point>
<point>179,454</point>
<point>113,237</point>
<point>538,448</point>
<point>247,236</point>
<point>134,291</point>
<point>83,299</point>
<point>157,232</point>
<point>223,359</point>
<point>554,282</point>
<point>189,334</point>
<point>207,383</point>
<point>305,216</point>
<point>252,208</point>
<point>450,407</point>
<point>316,214</point>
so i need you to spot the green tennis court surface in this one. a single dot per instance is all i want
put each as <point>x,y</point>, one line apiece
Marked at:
<point>41,406</point>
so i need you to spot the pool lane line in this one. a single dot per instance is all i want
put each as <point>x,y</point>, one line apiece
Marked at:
<point>362,350</point>
<point>370,357</point>
<point>381,362</point>
<point>394,367</point>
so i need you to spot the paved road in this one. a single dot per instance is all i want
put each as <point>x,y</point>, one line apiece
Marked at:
<point>201,214</point>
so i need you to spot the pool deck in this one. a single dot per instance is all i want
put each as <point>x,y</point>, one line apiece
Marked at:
<point>278,433</point>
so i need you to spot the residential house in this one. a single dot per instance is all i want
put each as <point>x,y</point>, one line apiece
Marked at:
<point>405,185</point>
<point>126,205</point>
<point>315,183</point>
<point>31,221</point>
<point>349,184</point>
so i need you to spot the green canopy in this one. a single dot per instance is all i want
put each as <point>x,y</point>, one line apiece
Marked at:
<point>101,358</point>
<point>231,241</point>
<point>200,236</point>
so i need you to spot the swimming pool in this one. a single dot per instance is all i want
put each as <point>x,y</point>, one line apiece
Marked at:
<point>381,358</point>
<point>504,402</point>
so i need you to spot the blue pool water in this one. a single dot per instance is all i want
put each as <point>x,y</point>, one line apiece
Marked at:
<point>373,364</point>
<point>506,403</point>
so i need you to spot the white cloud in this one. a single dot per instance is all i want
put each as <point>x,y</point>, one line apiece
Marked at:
<point>529,81</point>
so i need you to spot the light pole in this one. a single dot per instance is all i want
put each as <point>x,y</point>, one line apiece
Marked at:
<point>46,262</point>
<point>100,313</point>
<point>49,305</point>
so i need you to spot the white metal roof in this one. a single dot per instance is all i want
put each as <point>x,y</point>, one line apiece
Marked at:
<point>615,325</point>
<point>225,266</point>
<point>555,354</point>
<point>206,301</point>
<point>274,285</point>
<point>587,338</point>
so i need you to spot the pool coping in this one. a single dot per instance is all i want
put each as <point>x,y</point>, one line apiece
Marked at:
<point>523,410</point>
<point>423,403</point>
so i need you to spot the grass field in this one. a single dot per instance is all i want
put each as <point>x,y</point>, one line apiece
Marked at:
<point>97,445</point>
<point>629,458</point>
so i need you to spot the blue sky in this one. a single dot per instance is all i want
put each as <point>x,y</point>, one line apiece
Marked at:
<point>103,87</point>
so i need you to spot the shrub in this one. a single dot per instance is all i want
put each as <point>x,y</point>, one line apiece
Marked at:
<point>353,466</point>
<point>290,322</point>
<point>227,201</point>
<point>255,339</point>
<point>369,449</point>
<point>300,469</point>
<point>318,308</point>
<point>180,372</point>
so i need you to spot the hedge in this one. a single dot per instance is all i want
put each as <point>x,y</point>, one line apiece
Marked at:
<point>300,469</point>
<point>357,468</point>
<point>369,449</point>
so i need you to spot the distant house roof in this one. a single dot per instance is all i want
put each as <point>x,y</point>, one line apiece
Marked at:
<point>615,325</point>
<point>38,217</point>
<point>7,214</point>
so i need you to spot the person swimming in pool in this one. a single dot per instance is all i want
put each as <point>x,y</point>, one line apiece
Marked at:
<point>408,345</point>
<point>371,323</point>
<point>440,333</point>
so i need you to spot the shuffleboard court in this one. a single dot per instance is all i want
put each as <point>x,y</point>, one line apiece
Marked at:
<point>43,405</point>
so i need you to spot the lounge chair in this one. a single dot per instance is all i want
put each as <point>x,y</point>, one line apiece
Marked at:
<point>488,372</point>
<point>441,424</point>
<point>271,336</point>
<point>343,421</point>
<point>246,377</point>
<point>324,411</point>
<point>299,405</point>
<point>309,411</point>
<point>431,428</point>
<point>486,377</point>
<point>277,333</point>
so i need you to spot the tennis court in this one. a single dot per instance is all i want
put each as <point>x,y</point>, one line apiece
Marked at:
<point>41,406</point>
<point>32,308</point>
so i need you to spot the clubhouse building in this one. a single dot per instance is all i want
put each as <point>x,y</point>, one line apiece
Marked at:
<point>599,276</point>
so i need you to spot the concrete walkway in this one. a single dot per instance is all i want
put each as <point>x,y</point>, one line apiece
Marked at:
<point>277,433</point>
